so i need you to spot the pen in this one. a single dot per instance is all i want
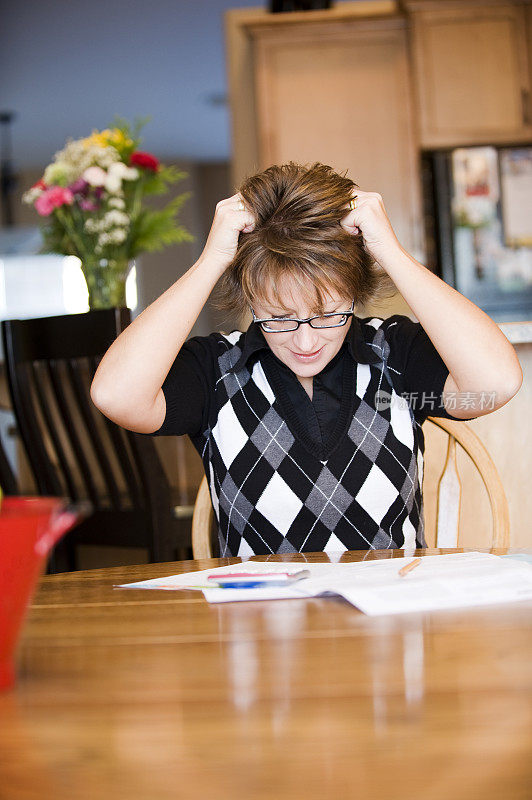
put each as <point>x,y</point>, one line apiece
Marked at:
<point>250,585</point>
<point>405,570</point>
<point>256,580</point>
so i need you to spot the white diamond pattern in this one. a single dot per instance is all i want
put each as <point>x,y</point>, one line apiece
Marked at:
<point>401,423</point>
<point>376,494</point>
<point>279,504</point>
<point>229,434</point>
<point>334,545</point>
<point>244,551</point>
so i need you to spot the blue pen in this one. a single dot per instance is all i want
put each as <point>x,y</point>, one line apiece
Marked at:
<point>250,585</point>
<point>250,580</point>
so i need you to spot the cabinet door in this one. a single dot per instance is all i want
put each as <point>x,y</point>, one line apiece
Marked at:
<point>528,14</point>
<point>472,74</point>
<point>340,95</point>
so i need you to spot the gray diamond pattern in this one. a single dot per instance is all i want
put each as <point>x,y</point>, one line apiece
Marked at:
<point>329,511</point>
<point>369,441</point>
<point>408,489</point>
<point>272,438</point>
<point>382,541</point>
<point>286,547</point>
<point>235,505</point>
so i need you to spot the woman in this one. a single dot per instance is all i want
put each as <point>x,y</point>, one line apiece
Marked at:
<point>309,423</point>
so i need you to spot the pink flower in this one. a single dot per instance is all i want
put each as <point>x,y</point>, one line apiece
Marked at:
<point>52,198</point>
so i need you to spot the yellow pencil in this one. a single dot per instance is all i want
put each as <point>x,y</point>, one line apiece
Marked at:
<point>405,570</point>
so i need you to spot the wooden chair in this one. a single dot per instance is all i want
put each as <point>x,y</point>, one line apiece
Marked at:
<point>202,522</point>
<point>449,490</point>
<point>76,452</point>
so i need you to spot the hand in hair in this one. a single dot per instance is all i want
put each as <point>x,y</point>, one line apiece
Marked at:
<point>231,218</point>
<point>370,218</point>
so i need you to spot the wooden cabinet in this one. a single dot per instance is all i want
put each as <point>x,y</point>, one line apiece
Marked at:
<point>365,85</point>
<point>528,13</point>
<point>472,72</point>
<point>465,64</point>
<point>340,94</point>
<point>332,87</point>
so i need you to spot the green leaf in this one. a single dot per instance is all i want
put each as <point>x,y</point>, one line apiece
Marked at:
<point>158,183</point>
<point>156,229</point>
<point>131,130</point>
<point>56,240</point>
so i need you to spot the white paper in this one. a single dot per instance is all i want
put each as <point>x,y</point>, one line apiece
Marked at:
<point>198,579</point>
<point>439,582</point>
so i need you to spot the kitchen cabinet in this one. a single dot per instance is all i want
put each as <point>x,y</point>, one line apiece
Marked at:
<point>471,64</point>
<point>338,92</point>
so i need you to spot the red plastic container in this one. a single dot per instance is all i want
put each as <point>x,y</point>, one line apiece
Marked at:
<point>29,528</point>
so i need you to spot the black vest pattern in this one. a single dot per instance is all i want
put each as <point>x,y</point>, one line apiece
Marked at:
<point>271,494</point>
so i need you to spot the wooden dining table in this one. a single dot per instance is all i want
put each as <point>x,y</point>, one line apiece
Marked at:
<point>125,694</point>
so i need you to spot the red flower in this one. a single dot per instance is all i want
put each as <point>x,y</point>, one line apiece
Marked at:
<point>39,185</point>
<point>144,160</point>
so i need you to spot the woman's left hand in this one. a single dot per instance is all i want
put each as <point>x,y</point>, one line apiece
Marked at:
<point>370,218</point>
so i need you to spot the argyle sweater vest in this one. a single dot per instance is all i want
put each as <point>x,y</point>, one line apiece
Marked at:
<point>272,495</point>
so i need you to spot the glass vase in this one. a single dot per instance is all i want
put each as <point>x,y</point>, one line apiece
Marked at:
<point>106,281</point>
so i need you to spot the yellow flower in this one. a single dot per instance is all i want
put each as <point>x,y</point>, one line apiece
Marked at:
<point>119,139</point>
<point>109,137</point>
<point>96,139</point>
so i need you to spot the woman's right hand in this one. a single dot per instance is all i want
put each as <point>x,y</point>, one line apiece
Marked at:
<point>231,218</point>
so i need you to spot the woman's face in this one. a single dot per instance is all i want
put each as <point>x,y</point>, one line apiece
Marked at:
<point>307,350</point>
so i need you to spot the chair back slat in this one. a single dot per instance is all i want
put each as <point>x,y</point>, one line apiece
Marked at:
<point>119,439</point>
<point>82,469</point>
<point>31,406</point>
<point>448,505</point>
<point>202,522</point>
<point>129,473</point>
<point>155,486</point>
<point>53,446</point>
<point>80,391</point>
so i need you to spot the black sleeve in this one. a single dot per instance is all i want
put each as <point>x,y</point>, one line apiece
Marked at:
<point>422,370</point>
<point>188,387</point>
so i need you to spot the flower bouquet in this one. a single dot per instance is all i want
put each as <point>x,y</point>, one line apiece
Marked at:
<point>92,201</point>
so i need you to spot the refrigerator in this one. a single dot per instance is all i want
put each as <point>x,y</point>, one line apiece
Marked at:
<point>478,225</point>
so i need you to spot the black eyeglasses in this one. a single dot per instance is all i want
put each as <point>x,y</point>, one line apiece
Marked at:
<point>284,324</point>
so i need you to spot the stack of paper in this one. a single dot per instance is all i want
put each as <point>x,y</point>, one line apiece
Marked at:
<point>375,587</point>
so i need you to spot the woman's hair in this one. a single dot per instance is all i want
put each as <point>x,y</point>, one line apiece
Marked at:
<point>298,236</point>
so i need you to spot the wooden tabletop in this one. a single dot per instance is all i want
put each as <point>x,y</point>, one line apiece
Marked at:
<point>126,694</point>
